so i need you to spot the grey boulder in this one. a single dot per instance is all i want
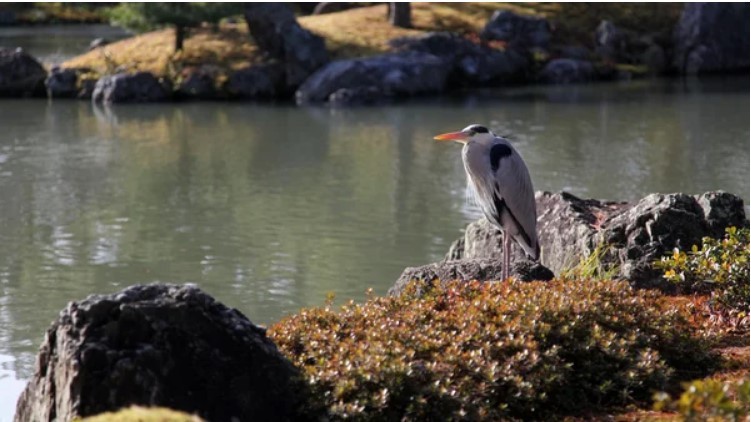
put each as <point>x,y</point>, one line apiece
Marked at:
<point>470,63</point>
<point>517,30</point>
<point>159,345</point>
<point>140,87</point>
<point>62,83</point>
<point>255,82</point>
<point>392,75</point>
<point>20,74</point>
<point>712,37</point>
<point>567,71</point>
<point>274,28</point>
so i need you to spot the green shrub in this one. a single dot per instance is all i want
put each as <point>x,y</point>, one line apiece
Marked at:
<point>709,400</point>
<point>491,351</point>
<point>720,267</point>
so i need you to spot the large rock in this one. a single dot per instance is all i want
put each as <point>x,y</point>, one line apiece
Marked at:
<point>62,83</point>
<point>631,236</point>
<point>140,87</point>
<point>567,71</point>
<point>484,270</point>
<point>277,33</point>
<point>470,63</point>
<point>20,74</point>
<point>393,75</point>
<point>159,345</point>
<point>712,37</point>
<point>517,31</point>
<point>256,82</point>
<point>197,83</point>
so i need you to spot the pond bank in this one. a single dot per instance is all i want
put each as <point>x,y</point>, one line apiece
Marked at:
<point>480,46</point>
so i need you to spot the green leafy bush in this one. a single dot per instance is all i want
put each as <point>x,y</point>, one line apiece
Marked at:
<point>709,400</point>
<point>720,267</point>
<point>491,351</point>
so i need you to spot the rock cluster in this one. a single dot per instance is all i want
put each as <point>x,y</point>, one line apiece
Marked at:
<point>510,49</point>
<point>631,235</point>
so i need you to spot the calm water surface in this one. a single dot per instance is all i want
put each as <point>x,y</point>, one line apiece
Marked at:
<point>53,44</point>
<point>269,208</point>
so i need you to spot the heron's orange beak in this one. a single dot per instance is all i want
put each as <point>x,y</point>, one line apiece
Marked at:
<point>453,136</point>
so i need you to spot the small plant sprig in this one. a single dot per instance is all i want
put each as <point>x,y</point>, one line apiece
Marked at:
<point>709,400</point>
<point>720,268</point>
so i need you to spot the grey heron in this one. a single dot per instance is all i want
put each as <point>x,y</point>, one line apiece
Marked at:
<point>500,183</point>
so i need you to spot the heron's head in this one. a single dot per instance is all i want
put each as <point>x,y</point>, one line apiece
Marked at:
<point>467,135</point>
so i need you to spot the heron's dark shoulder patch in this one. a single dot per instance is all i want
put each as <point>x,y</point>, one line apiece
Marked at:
<point>497,152</point>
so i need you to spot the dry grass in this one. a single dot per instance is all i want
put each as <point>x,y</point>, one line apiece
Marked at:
<point>360,32</point>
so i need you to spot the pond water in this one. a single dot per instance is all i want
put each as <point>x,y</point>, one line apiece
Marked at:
<point>271,207</point>
<point>53,44</point>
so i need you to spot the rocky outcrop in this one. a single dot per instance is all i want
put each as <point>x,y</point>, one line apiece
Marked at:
<point>138,87</point>
<point>518,31</point>
<point>62,83</point>
<point>274,28</point>
<point>567,71</point>
<point>470,63</point>
<point>712,37</point>
<point>255,82</point>
<point>197,83</point>
<point>20,74</point>
<point>159,345</point>
<point>484,270</point>
<point>630,236</point>
<point>400,74</point>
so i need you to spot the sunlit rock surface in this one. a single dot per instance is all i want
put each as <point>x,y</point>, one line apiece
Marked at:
<point>631,235</point>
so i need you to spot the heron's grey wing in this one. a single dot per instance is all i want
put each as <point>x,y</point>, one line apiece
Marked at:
<point>513,186</point>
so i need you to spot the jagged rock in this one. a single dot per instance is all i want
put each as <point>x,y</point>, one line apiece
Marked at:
<point>274,28</point>
<point>255,82</point>
<point>159,345</point>
<point>62,83</point>
<point>470,269</point>
<point>20,74</point>
<point>712,37</point>
<point>632,236</point>
<point>197,83</point>
<point>130,88</point>
<point>470,63</point>
<point>566,71</point>
<point>518,31</point>
<point>399,74</point>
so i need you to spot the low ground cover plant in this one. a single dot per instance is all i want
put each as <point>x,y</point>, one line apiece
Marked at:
<point>493,351</point>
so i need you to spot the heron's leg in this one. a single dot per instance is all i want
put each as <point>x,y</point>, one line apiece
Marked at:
<point>506,252</point>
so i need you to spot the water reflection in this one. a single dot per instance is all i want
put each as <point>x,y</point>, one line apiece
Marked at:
<point>269,207</point>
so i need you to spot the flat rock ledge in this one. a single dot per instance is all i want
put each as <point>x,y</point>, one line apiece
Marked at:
<point>159,345</point>
<point>483,270</point>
